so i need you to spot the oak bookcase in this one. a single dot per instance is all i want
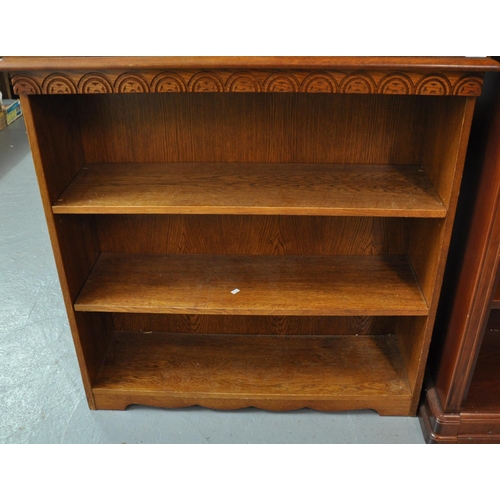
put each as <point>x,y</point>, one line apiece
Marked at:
<point>250,231</point>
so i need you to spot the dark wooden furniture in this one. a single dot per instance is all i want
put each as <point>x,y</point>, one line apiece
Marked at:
<point>462,396</point>
<point>234,232</point>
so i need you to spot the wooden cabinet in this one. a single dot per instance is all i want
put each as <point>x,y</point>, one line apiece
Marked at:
<point>234,232</point>
<point>462,396</point>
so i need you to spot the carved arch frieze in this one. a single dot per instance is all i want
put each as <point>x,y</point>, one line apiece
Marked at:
<point>24,85</point>
<point>243,81</point>
<point>396,83</point>
<point>131,83</point>
<point>168,82</point>
<point>357,83</point>
<point>94,83</point>
<point>249,80</point>
<point>205,82</point>
<point>319,83</point>
<point>58,84</point>
<point>434,85</point>
<point>281,82</point>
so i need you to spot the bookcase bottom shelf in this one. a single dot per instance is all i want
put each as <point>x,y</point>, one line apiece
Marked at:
<point>329,373</point>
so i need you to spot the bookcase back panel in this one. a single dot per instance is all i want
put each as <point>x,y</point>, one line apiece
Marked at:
<point>253,235</point>
<point>207,127</point>
<point>261,325</point>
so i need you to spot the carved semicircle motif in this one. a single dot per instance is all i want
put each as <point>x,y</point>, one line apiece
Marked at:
<point>468,86</point>
<point>168,82</point>
<point>57,83</point>
<point>319,82</point>
<point>129,83</point>
<point>396,83</point>
<point>94,83</point>
<point>205,82</point>
<point>281,82</point>
<point>24,85</point>
<point>433,85</point>
<point>357,83</point>
<point>242,82</point>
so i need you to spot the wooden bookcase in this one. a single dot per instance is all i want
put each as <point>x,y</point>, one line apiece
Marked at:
<point>461,403</point>
<point>234,232</point>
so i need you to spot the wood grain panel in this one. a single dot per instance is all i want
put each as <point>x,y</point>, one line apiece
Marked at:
<point>262,325</point>
<point>444,164</point>
<point>74,240</point>
<point>443,161</point>
<point>496,299</point>
<point>425,247</point>
<point>484,390</point>
<point>251,188</point>
<point>253,235</point>
<point>327,75</point>
<point>62,157</point>
<point>10,63</point>
<point>275,285</point>
<point>444,136</point>
<point>410,332</point>
<point>256,80</point>
<point>267,128</point>
<point>79,247</point>
<point>255,370</point>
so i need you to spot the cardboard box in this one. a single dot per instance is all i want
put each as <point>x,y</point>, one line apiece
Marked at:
<point>12,110</point>
<point>3,119</point>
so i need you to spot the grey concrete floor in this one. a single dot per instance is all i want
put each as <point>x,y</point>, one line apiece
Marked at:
<point>41,394</point>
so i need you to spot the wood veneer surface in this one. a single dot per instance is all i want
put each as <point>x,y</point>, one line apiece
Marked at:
<point>295,367</point>
<point>67,63</point>
<point>253,234</point>
<point>248,325</point>
<point>252,188</point>
<point>282,285</point>
<point>496,299</point>
<point>254,127</point>
<point>484,390</point>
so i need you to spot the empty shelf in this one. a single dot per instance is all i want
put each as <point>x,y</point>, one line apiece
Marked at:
<point>268,285</point>
<point>251,189</point>
<point>235,371</point>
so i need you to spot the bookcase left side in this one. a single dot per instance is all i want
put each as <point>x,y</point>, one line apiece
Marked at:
<point>54,134</point>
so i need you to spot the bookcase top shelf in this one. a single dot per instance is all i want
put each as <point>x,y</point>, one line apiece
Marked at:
<point>251,189</point>
<point>14,63</point>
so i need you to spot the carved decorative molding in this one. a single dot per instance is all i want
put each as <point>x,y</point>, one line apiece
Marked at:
<point>359,82</point>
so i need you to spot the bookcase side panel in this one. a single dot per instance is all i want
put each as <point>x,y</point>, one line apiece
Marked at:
<point>57,151</point>
<point>444,162</point>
